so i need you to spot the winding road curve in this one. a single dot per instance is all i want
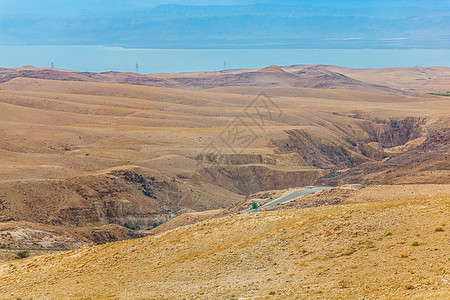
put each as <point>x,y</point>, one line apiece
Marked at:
<point>293,195</point>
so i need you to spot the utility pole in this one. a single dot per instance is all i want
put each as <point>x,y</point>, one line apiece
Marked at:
<point>137,68</point>
<point>53,64</point>
<point>225,65</point>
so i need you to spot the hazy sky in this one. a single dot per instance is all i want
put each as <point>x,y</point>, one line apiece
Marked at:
<point>384,24</point>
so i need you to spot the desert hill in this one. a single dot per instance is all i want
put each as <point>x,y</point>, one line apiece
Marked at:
<point>94,158</point>
<point>394,249</point>
<point>343,194</point>
<point>416,79</point>
<point>410,81</point>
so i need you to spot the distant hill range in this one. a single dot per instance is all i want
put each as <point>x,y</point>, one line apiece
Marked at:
<point>434,79</point>
<point>213,24</point>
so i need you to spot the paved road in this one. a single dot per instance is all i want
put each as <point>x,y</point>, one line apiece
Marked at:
<point>292,196</point>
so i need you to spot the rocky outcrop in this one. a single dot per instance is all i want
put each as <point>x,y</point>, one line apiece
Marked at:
<point>135,197</point>
<point>291,159</point>
<point>320,151</point>
<point>359,143</point>
<point>400,131</point>
<point>249,179</point>
<point>27,235</point>
<point>427,163</point>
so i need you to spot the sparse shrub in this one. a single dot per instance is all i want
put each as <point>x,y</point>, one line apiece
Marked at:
<point>349,251</point>
<point>403,255</point>
<point>272,293</point>
<point>23,254</point>
<point>154,225</point>
<point>254,205</point>
<point>130,226</point>
<point>367,244</point>
<point>415,243</point>
<point>388,233</point>
<point>439,229</point>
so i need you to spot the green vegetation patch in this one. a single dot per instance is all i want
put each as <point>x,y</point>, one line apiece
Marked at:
<point>131,227</point>
<point>441,94</point>
<point>23,254</point>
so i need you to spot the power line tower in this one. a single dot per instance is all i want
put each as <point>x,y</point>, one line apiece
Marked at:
<point>225,65</point>
<point>137,68</point>
<point>52,65</point>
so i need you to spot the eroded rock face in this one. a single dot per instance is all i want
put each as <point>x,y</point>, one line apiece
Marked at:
<point>27,235</point>
<point>249,179</point>
<point>236,159</point>
<point>135,197</point>
<point>427,163</point>
<point>399,132</point>
<point>320,151</point>
<point>330,151</point>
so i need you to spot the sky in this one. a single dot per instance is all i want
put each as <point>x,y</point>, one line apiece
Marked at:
<point>200,24</point>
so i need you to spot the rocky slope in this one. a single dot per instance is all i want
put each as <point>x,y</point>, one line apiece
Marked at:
<point>395,249</point>
<point>27,235</point>
<point>425,163</point>
<point>125,196</point>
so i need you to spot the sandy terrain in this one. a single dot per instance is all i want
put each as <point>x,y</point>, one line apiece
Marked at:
<point>394,249</point>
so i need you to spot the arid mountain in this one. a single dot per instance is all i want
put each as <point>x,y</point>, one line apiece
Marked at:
<point>228,24</point>
<point>93,158</point>
<point>86,150</point>
<point>386,81</point>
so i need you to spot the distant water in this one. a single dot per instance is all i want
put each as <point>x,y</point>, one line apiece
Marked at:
<point>99,58</point>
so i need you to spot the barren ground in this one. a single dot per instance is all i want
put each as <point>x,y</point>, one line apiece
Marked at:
<point>86,157</point>
<point>393,249</point>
